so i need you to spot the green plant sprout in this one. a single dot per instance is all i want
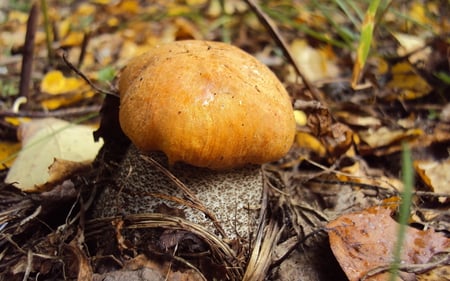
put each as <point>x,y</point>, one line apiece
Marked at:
<point>405,206</point>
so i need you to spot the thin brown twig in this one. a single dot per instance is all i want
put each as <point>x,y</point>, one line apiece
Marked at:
<point>27,52</point>
<point>172,198</point>
<point>84,77</point>
<point>56,113</point>
<point>276,35</point>
<point>410,268</point>
<point>84,44</point>
<point>197,204</point>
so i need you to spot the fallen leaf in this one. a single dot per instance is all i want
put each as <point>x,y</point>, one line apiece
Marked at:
<point>364,241</point>
<point>8,151</point>
<point>79,263</point>
<point>339,141</point>
<point>406,83</point>
<point>434,174</point>
<point>74,38</point>
<point>318,61</point>
<point>356,119</point>
<point>44,140</point>
<point>309,142</point>
<point>64,90</point>
<point>411,43</point>
<point>384,136</point>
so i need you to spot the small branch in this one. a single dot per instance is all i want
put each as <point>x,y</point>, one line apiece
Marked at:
<point>197,204</point>
<point>275,33</point>
<point>84,77</point>
<point>84,44</point>
<point>27,53</point>
<point>55,113</point>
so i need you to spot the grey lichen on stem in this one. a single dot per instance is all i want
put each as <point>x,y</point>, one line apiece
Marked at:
<point>232,196</point>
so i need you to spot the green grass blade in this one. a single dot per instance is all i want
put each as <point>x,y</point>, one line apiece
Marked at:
<point>365,41</point>
<point>348,13</point>
<point>405,206</point>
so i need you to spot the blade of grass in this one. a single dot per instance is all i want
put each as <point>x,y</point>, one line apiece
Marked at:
<point>365,41</point>
<point>405,205</point>
<point>347,36</point>
<point>320,36</point>
<point>48,32</point>
<point>346,9</point>
<point>357,10</point>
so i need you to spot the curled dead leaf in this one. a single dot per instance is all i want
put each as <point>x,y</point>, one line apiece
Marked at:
<point>364,241</point>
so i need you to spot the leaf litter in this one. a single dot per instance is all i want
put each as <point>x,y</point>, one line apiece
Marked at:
<point>345,159</point>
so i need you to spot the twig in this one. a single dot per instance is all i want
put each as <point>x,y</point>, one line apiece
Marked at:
<point>56,113</point>
<point>84,44</point>
<point>27,53</point>
<point>275,33</point>
<point>191,196</point>
<point>410,268</point>
<point>84,77</point>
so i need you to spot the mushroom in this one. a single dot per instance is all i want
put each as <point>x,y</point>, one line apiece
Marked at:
<point>211,114</point>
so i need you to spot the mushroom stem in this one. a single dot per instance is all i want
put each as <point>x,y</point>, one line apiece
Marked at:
<point>230,197</point>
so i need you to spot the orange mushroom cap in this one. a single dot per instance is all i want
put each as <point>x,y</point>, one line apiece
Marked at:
<point>208,104</point>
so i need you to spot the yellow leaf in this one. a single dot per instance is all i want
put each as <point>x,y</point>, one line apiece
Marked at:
<point>16,121</point>
<point>15,15</point>
<point>129,6</point>
<point>113,22</point>
<point>417,12</point>
<point>59,101</point>
<point>102,2</point>
<point>74,38</point>
<point>307,141</point>
<point>64,27</point>
<point>195,2</point>
<point>407,82</point>
<point>8,151</point>
<point>85,9</point>
<point>177,9</point>
<point>300,117</point>
<point>55,83</point>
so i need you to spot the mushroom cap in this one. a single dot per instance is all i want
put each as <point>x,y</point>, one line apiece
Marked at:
<point>208,104</point>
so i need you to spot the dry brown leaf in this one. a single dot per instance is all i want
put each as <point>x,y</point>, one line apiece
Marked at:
<point>80,265</point>
<point>357,119</point>
<point>319,62</point>
<point>385,136</point>
<point>365,240</point>
<point>340,141</point>
<point>434,174</point>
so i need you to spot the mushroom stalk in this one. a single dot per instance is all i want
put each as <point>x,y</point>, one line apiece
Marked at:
<point>232,196</point>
